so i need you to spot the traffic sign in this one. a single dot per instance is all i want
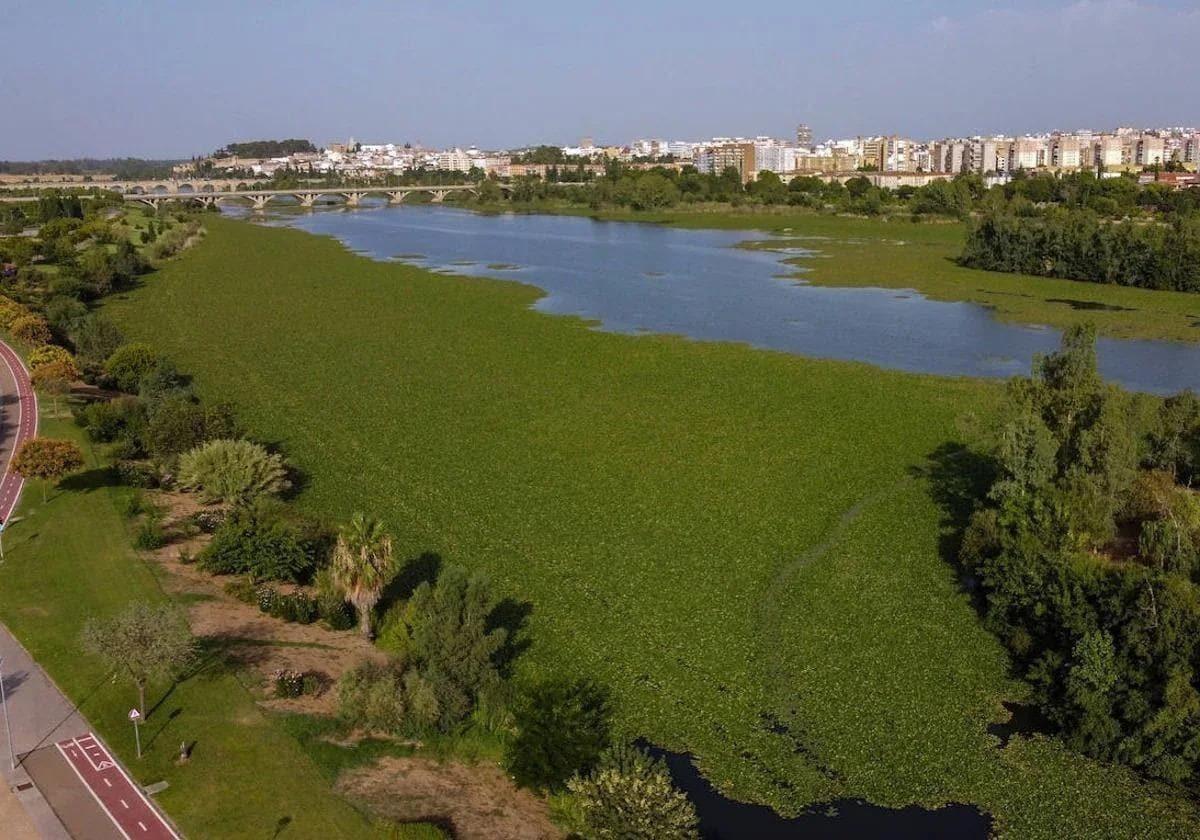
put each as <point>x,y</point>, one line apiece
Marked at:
<point>135,715</point>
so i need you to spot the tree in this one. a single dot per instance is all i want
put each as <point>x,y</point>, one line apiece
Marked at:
<point>630,796</point>
<point>55,378</point>
<point>562,728</point>
<point>232,471</point>
<point>363,564</point>
<point>129,364</point>
<point>178,423</point>
<point>96,338</point>
<point>450,641</point>
<point>653,191</point>
<point>47,459</point>
<point>146,642</point>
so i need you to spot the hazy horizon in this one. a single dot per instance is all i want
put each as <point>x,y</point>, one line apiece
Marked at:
<point>176,81</point>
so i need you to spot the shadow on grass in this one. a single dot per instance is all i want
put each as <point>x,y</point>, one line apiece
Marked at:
<point>417,570</point>
<point>513,617</point>
<point>89,480</point>
<point>959,478</point>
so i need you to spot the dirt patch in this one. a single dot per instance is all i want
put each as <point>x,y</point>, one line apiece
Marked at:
<point>476,802</point>
<point>257,641</point>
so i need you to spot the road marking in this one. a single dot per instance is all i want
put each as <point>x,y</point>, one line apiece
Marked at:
<point>95,795</point>
<point>107,782</point>
<point>141,825</point>
<point>125,805</point>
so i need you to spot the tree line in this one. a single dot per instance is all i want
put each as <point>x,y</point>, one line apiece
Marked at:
<point>1078,244</point>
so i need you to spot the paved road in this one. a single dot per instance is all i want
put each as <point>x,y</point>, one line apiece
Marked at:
<point>65,779</point>
<point>18,423</point>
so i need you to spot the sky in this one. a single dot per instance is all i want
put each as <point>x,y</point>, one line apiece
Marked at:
<point>174,79</point>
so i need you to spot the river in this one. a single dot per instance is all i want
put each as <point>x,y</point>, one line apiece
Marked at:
<point>637,278</point>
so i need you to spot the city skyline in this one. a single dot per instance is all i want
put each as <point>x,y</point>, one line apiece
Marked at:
<point>468,74</point>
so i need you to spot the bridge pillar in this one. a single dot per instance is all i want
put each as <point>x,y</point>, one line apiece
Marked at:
<point>397,196</point>
<point>151,201</point>
<point>353,198</point>
<point>260,201</point>
<point>306,199</point>
<point>439,195</point>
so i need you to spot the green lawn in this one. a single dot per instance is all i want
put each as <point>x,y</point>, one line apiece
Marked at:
<point>900,254</point>
<point>731,539</point>
<point>70,559</point>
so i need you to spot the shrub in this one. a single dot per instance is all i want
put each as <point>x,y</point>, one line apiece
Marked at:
<point>630,796</point>
<point>150,534</point>
<point>135,505</point>
<point>313,683</point>
<point>257,541</point>
<point>289,683</point>
<point>332,607</point>
<point>48,354</point>
<point>266,597</point>
<point>129,364</point>
<point>105,421</point>
<point>562,728</point>
<point>296,607</point>
<point>208,520</point>
<point>31,329</point>
<point>136,474</point>
<point>390,698</point>
<point>232,471</point>
<point>243,589</point>
<point>450,642</point>
<point>185,557</point>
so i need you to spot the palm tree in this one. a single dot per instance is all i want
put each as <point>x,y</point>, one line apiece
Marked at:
<point>363,565</point>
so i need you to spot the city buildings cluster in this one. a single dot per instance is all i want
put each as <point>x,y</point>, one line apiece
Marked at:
<point>896,160</point>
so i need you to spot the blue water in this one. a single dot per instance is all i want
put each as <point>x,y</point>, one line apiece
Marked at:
<point>646,278</point>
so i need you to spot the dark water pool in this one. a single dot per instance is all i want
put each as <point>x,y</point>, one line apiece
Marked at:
<point>647,278</point>
<point>722,818</point>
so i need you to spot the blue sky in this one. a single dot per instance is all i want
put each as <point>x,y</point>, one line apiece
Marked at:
<point>174,79</point>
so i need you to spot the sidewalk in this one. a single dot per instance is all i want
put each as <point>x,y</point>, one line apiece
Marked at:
<point>40,715</point>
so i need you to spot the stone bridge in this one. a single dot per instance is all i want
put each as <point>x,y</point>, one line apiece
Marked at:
<point>154,193</point>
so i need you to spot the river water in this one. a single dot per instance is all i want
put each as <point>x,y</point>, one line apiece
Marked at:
<point>648,278</point>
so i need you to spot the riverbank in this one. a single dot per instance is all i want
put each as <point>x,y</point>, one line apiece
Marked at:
<point>902,254</point>
<point>743,545</point>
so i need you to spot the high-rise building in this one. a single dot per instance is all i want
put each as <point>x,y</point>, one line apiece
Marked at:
<point>804,137</point>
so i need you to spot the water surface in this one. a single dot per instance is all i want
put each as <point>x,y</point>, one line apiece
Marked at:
<point>636,278</point>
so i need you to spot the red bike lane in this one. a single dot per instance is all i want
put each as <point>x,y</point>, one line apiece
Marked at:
<point>120,798</point>
<point>20,421</point>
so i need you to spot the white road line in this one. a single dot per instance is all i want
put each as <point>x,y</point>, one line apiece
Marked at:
<point>141,825</point>
<point>124,804</point>
<point>95,796</point>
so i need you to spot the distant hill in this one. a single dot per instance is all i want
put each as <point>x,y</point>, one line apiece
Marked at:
<point>265,148</point>
<point>122,168</point>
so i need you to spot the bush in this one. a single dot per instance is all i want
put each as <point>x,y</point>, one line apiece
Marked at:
<point>296,607</point>
<point>150,534</point>
<point>289,683</point>
<point>105,421</point>
<point>31,329</point>
<point>136,474</point>
<point>135,505</point>
<point>332,607</point>
<point>232,471</point>
<point>562,728</point>
<point>257,541</point>
<point>208,520</point>
<point>266,597</point>
<point>243,589</point>
<point>129,364</point>
<point>630,796</point>
<point>390,698</point>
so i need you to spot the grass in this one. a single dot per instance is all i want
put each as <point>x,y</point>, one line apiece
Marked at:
<point>901,254</point>
<point>70,559</point>
<point>739,543</point>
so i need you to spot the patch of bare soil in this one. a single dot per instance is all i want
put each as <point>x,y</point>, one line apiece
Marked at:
<point>261,642</point>
<point>476,802</point>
